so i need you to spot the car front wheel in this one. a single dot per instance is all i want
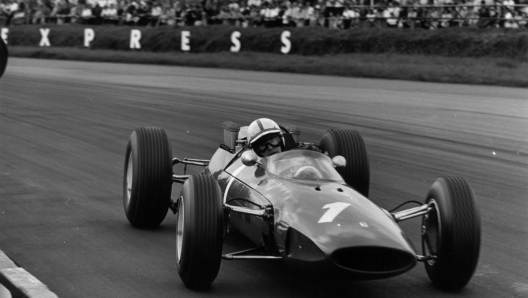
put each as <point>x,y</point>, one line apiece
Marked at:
<point>199,231</point>
<point>147,181</point>
<point>451,233</point>
<point>349,144</point>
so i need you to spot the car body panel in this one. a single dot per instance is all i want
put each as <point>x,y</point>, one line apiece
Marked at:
<point>314,220</point>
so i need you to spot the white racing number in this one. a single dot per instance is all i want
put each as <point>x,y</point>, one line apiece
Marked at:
<point>333,211</point>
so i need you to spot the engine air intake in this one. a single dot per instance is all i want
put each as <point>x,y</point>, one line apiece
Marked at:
<point>375,260</point>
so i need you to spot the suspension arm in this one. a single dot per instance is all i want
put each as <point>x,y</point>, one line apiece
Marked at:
<point>264,213</point>
<point>410,213</point>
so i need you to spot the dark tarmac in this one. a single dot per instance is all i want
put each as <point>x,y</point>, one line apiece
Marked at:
<point>64,127</point>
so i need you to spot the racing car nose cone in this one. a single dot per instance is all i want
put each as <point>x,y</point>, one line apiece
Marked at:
<point>375,262</point>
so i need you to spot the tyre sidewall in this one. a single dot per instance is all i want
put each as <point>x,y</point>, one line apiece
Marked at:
<point>329,143</point>
<point>3,56</point>
<point>132,150</point>
<point>459,235</point>
<point>186,245</point>
<point>442,199</point>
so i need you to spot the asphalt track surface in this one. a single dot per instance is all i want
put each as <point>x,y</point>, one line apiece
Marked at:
<point>64,128</point>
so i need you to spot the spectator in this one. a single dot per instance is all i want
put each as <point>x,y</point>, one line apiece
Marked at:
<point>19,15</point>
<point>271,14</point>
<point>371,18</point>
<point>255,19</point>
<point>210,14</point>
<point>86,14</point>
<point>166,13</point>
<point>235,16</point>
<point>484,16</point>
<point>109,15</point>
<point>392,15</point>
<point>3,10</point>
<point>41,11</point>
<point>350,17</point>
<point>297,17</point>
<point>224,15</point>
<point>121,14</point>
<point>461,15</point>
<point>447,18</point>
<point>314,15</point>
<point>233,5</point>
<point>179,13</point>
<point>199,15</point>
<point>9,10</point>
<point>190,16</point>
<point>155,14</point>
<point>96,14</point>
<point>60,11</point>
<point>143,13</point>
<point>339,7</point>
<point>131,14</point>
<point>287,15</point>
<point>509,5</point>
<point>495,16</point>
<point>256,3</point>
<point>410,22</point>
<point>305,13</point>
<point>328,12</point>
<point>435,15</point>
<point>245,13</point>
<point>512,20</point>
<point>523,19</point>
<point>472,17</point>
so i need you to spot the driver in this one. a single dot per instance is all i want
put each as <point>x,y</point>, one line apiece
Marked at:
<point>265,137</point>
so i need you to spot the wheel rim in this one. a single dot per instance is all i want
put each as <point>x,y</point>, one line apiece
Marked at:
<point>431,231</point>
<point>129,180</point>
<point>179,229</point>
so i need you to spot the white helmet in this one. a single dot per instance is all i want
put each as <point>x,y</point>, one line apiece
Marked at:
<point>261,127</point>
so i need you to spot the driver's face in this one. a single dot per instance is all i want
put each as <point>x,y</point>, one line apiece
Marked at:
<point>268,145</point>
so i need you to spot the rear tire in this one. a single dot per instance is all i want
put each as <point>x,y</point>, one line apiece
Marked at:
<point>3,56</point>
<point>199,231</point>
<point>349,144</point>
<point>451,232</point>
<point>147,183</point>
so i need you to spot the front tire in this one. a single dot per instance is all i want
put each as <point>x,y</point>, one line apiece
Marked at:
<point>147,182</point>
<point>199,231</point>
<point>349,144</point>
<point>451,233</point>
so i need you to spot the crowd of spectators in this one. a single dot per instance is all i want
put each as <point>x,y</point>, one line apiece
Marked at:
<point>343,14</point>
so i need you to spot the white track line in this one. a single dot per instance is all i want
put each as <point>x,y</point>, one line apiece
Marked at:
<point>12,276</point>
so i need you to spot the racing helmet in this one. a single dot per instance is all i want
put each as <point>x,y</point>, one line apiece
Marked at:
<point>260,128</point>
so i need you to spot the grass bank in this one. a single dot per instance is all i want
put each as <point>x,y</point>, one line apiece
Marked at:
<point>464,70</point>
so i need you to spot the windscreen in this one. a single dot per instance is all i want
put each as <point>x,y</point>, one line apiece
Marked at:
<point>302,164</point>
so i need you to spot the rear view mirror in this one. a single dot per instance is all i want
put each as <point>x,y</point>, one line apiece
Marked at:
<point>3,56</point>
<point>339,161</point>
<point>249,158</point>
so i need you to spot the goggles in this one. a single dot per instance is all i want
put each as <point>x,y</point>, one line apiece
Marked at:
<point>263,146</point>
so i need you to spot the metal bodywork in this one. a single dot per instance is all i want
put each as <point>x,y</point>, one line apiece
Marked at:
<point>310,223</point>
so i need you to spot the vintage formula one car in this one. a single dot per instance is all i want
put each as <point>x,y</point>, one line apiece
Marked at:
<point>307,208</point>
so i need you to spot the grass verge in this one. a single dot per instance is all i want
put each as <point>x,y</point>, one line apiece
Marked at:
<point>481,71</point>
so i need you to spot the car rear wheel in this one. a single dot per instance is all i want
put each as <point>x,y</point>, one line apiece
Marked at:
<point>349,144</point>
<point>199,231</point>
<point>147,181</point>
<point>451,233</point>
<point>3,56</point>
